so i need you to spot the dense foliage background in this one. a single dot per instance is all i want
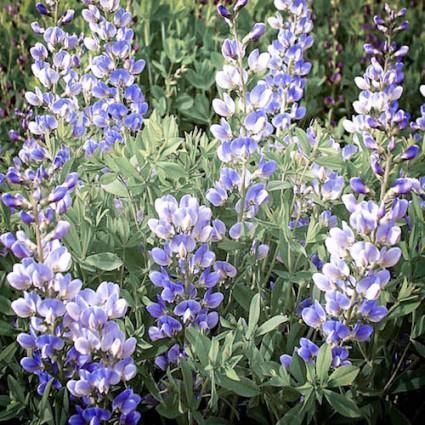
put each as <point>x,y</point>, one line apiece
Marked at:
<point>175,153</point>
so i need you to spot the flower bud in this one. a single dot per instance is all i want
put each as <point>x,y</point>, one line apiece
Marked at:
<point>224,12</point>
<point>240,4</point>
<point>42,9</point>
<point>67,17</point>
<point>257,31</point>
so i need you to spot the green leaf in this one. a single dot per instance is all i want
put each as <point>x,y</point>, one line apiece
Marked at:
<point>419,328</point>
<point>171,169</point>
<point>8,353</point>
<point>44,408</point>
<point>184,102</point>
<point>270,325</point>
<point>403,309</point>
<point>5,306</point>
<point>254,315</point>
<point>106,261</point>
<point>323,363</point>
<point>16,389</point>
<point>292,416</point>
<point>5,328</point>
<point>243,387</point>
<point>116,188</point>
<point>11,412</point>
<point>243,295</point>
<point>188,383</point>
<point>411,381</point>
<point>199,344</point>
<point>342,404</point>
<point>344,375</point>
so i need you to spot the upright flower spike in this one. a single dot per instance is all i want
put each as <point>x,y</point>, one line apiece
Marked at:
<point>378,117</point>
<point>354,278</point>
<point>363,251</point>
<point>287,66</point>
<point>74,339</point>
<point>88,83</point>
<point>188,274</point>
<point>115,103</point>
<point>243,126</point>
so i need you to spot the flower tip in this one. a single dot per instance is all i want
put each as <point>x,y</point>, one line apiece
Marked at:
<point>42,9</point>
<point>240,5</point>
<point>223,12</point>
<point>257,31</point>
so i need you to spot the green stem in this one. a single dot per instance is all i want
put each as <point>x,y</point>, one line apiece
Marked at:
<point>387,170</point>
<point>394,374</point>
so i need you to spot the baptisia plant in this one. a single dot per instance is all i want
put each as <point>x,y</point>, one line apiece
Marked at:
<point>243,126</point>
<point>188,275</point>
<point>74,339</point>
<point>363,251</point>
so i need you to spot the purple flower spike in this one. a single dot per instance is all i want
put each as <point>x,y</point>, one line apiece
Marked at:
<point>189,271</point>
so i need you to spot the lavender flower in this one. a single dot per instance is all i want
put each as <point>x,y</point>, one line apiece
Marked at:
<point>116,104</point>
<point>356,274</point>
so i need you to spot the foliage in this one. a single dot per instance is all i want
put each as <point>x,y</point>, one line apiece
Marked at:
<point>270,358</point>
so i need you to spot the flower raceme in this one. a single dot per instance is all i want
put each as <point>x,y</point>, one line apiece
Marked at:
<point>361,252</point>
<point>74,339</point>
<point>378,117</point>
<point>103,104</point>
<point>188,274</point>
<point>243,125</point>
<point>287,66</point>
<point>118,104</point>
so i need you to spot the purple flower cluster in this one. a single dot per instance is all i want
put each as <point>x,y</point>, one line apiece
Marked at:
<point>73,337</point>
<point>244,124</point>
<point>118,104</point>
<point>101,356</point>
<point>188,274</point>
<point>104,104</point>
<point>381,87</point>
<point>287,65</point>
<point>361,253</point>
